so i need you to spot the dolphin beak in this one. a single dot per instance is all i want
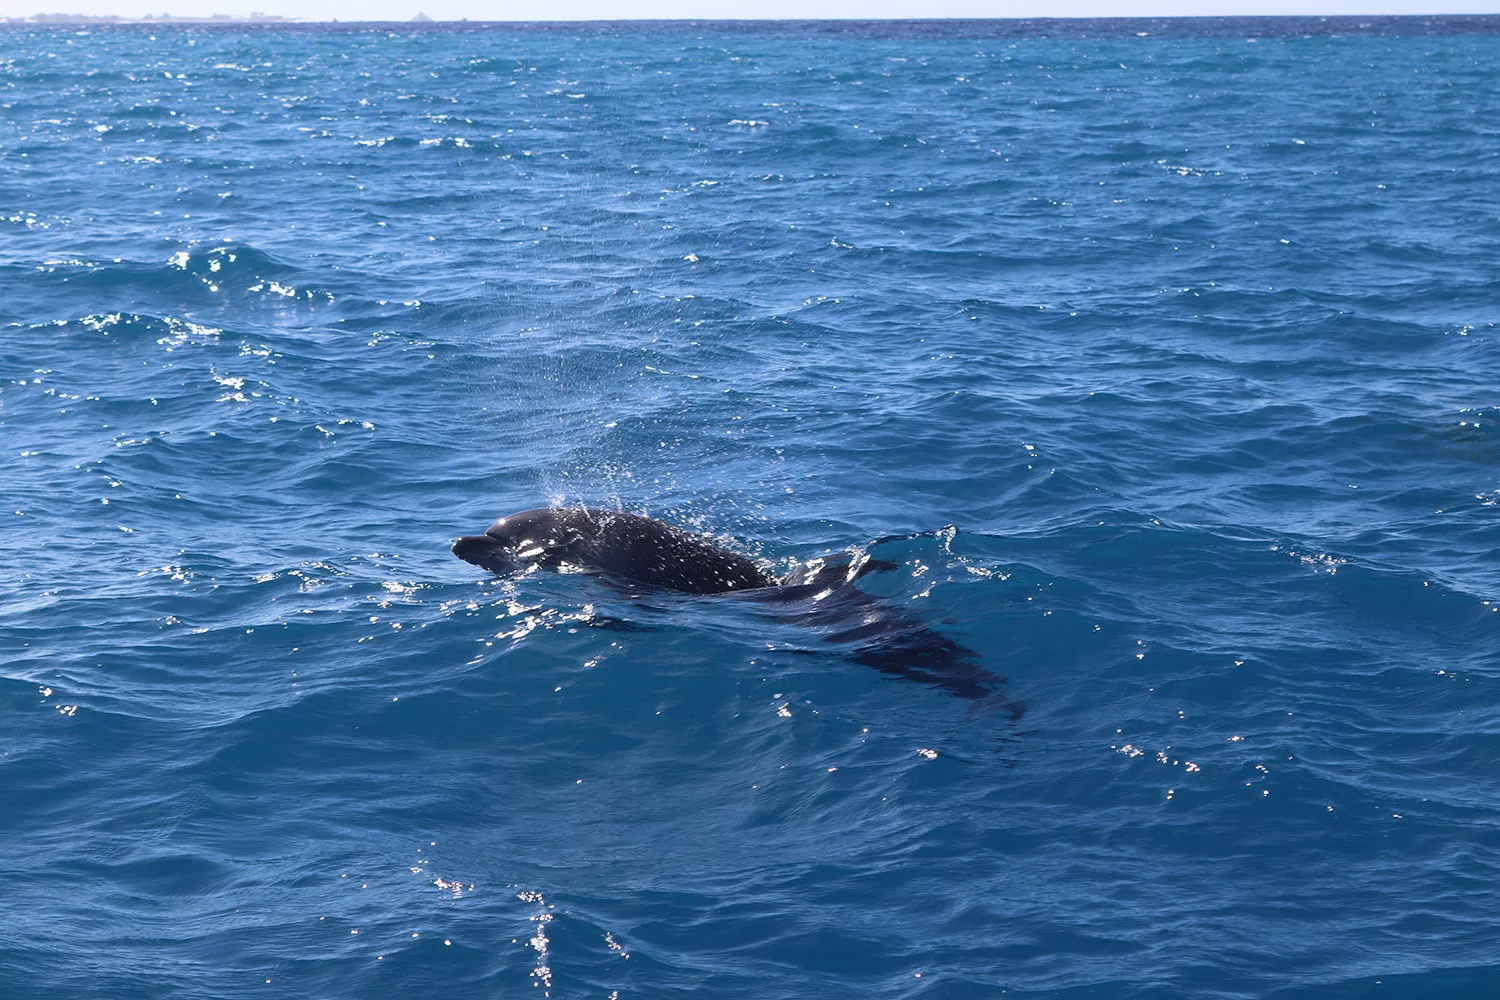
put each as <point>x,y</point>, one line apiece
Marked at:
<point>482,551</point>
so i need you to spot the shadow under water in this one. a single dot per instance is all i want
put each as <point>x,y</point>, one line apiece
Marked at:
<point>823,597</point>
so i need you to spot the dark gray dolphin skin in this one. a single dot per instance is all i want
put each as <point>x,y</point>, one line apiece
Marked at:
<point>628,546</point>
<point>818,594</point>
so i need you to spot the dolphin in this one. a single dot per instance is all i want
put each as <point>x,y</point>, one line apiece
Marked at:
<point>820,593</point>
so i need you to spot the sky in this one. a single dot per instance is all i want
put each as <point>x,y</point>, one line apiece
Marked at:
<point>511,10</point>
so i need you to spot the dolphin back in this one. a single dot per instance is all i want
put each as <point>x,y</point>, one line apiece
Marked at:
<point>647,551</point>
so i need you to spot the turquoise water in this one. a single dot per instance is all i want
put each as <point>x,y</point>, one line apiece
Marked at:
<point>1160,358</point>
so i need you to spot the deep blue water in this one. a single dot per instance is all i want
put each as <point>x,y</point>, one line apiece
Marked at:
<point>1161,357</point>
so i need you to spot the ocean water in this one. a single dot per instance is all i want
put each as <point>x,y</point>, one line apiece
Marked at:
<point>1160,358</point>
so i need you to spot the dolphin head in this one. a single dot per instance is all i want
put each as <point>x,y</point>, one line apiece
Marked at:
<point>518,541</point>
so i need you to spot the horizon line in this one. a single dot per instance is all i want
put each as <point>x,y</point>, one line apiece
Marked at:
<point>420,19</point>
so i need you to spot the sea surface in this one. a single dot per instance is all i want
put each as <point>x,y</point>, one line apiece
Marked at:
<point>1161,359</point>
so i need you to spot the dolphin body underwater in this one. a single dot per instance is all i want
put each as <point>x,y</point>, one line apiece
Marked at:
<point>647,552</point>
